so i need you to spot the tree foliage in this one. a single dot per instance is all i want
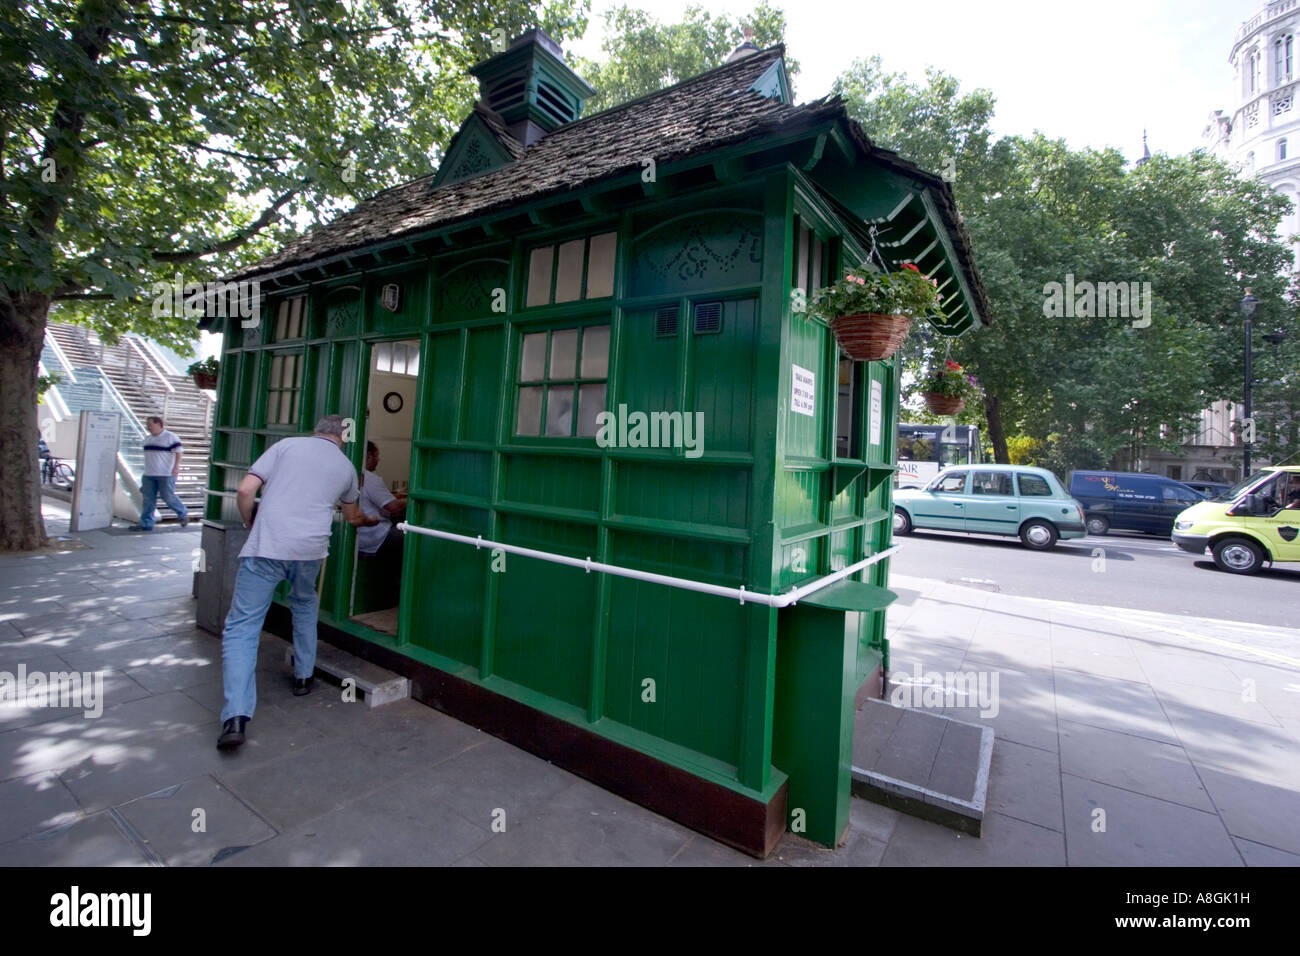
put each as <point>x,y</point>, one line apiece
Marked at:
<point>1089,390</point>
<point>643,55</point>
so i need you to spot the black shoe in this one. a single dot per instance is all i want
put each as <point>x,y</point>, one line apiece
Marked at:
<point>301,686</point>
<point>232,733</point>
<point>136,527</point>
<point>185,521</point>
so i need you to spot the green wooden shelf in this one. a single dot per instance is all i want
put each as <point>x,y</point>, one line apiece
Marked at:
<point>851,596</point>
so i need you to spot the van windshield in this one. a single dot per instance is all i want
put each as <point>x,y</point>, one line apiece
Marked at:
<point>1233,493</point>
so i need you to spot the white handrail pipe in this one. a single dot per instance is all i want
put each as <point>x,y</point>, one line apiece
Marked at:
<point>588,565</point>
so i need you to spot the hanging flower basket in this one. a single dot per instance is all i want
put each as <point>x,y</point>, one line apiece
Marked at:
<point>870,336</point>
<point>204,373</point>
<point>943,404</point>
<point>870,312</point>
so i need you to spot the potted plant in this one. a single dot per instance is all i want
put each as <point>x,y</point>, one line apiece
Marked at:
<point>870,312</point>
<point>205,372</point>
<point>946,388</point>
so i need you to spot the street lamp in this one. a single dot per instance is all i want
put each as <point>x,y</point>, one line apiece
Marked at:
<point>1248,305</point>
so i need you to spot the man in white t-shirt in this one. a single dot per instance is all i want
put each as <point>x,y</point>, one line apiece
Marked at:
<point>301,481</point>
<point>378,502</point>
<point>162,465</point>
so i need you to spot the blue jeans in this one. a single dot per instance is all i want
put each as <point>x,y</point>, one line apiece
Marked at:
<point>254,587</point>
<point>151,486</point>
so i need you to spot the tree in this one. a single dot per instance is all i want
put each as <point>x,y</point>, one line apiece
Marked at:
<point>144,140</point>
<point>644,56</point>
<point>1038,212</point>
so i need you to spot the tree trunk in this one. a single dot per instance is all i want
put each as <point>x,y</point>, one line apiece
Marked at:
<point>997,435</point>
<point>22,334</point>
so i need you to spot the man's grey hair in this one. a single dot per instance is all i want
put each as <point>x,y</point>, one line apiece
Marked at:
<point>330,425</point>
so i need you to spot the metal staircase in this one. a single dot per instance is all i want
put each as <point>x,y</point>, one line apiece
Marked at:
<point>146,384</point>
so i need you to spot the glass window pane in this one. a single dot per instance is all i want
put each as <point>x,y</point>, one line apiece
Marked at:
<point>528,416</point>
<point>293,416</point>
<point>276,363</point>
<point>1033,486</point>
<point>600,265</point>
<point>802,280</point>
<point>295,317</point>
<point>286,408</point>
<point>568,273</point>
<point>816,281</point>
<point>282,319</point>
<point>564,353</point>
<point>559,410</point>
<point>591,402</point>
<point>539,276</point>
<point>595,352</point>
<point>413,361</point>
<point>533,363</point>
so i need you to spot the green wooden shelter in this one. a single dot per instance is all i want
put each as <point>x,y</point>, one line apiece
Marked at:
<point>578,345</point>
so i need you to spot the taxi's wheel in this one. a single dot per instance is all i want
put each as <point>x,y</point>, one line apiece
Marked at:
<point>902,523</point>
<point>1038,535</point>
<point>1238,555</point>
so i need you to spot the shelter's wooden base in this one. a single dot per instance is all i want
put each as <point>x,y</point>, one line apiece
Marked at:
<point>749,825</point>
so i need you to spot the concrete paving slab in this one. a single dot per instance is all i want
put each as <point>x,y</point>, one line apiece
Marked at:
<point>1025,784</point>
<point>859,849</point>
<point>1231,705</point>
<point>1196,668</point>
<point>873,819</point>
<point>1004,842</point>
<point>582,825</point>
<point>34,804</point>
<point>310,782</point>
<point>1126,706</point>
<point>1256,811</point>
<point>1010,650</point>
<point>489,776</point>
<point>92,841</point>
<point>1249,750</point>
<point>1257,854</point>
<point>167,821</point>
<point>1093,662</point>
<point>1140,831</point>
<point>1132,763</point>
<point>699,850</point>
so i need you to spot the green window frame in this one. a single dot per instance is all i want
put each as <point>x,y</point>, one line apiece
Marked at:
<point>284,387</point>
<point>572,270</point>
<point>562,380</point>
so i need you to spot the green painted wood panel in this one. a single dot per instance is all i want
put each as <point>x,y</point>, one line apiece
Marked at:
<point>446,603</point>
<point>722,372</point>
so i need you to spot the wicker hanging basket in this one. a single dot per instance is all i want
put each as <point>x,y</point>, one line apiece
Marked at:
<point>205,379</point>
<point>943,404</point>
<point>870,336</point>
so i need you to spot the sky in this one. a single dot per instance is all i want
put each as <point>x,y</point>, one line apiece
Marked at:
<point>1095,73</point>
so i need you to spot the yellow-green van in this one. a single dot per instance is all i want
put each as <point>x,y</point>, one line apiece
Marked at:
<point>1253,522</point>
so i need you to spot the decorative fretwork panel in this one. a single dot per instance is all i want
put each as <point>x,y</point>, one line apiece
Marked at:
<point>723,248</point>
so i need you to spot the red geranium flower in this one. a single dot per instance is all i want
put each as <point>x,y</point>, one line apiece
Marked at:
<point>908,265</point>
<point>949,363</point>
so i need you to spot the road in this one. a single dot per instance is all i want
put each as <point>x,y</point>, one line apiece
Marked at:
<point>1115,570</point>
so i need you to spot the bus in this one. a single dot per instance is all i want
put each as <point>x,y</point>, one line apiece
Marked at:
<point>924,449</point>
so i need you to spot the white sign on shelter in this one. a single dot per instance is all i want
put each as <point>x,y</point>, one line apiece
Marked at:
<point>803,391</point>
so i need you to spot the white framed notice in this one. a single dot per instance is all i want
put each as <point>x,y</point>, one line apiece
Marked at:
<point>98,435</point>
<point>876,413</point>
<point>803,391</point>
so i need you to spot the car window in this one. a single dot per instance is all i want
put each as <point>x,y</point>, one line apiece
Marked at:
<point>991,483</point>
<point>1034,486</point>
<point>953,483</point>
<point>1178,494</point>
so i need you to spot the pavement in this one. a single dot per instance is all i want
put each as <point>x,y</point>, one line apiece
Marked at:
<point>1121,738</point>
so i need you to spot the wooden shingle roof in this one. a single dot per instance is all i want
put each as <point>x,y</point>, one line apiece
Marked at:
<point>696,116</point>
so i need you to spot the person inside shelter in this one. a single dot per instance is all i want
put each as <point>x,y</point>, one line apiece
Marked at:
<point>383,539</point>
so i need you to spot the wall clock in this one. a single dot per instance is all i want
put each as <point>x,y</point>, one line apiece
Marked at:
<point>393,402</point>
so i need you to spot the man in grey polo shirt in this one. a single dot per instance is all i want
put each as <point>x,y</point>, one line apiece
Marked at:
<point>301,481</point>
